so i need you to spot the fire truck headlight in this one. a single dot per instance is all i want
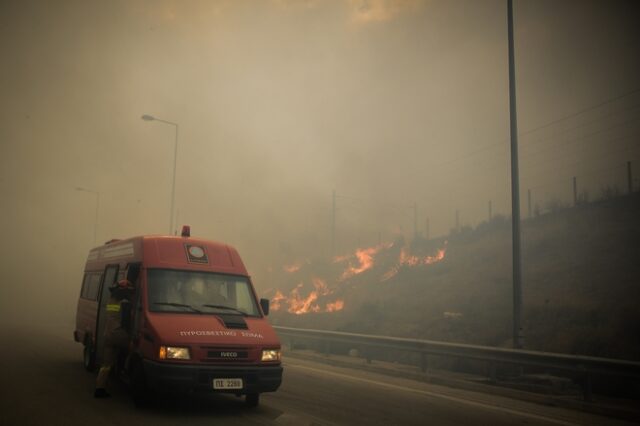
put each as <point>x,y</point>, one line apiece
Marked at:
<point>271,355</point>
<point>174,352</point>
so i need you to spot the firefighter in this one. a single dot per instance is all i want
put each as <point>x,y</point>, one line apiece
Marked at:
<point>116,332</point>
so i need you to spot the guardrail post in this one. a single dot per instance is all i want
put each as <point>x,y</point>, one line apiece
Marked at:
<point>424,362</point>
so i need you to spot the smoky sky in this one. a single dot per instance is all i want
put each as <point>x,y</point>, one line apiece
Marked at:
<point>389,103</point>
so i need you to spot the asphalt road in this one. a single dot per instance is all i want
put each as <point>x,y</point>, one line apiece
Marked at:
<point>43,383</point>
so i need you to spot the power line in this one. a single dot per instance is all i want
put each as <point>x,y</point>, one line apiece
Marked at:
<point>608,101</point>
<point>494,168</point>
<point>566,130</point>
<point>582,137</point>
<point>504,141</point>
<point>624,148</point>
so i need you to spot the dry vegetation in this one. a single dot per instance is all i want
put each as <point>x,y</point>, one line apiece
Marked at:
<point>581,269</point>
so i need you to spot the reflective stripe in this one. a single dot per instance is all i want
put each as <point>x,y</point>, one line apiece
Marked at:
<point>113,308</point>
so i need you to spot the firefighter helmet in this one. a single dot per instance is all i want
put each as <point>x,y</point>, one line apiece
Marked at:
<point>123,285</point>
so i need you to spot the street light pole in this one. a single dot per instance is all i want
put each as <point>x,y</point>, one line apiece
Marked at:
<point>95,224</point>
<point>175,160</point>
<point>515,190</point>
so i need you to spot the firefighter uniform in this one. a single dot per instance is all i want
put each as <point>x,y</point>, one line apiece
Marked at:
<point>116,337</point>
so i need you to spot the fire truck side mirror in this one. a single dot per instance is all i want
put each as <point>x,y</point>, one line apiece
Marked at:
<point>264,304</point>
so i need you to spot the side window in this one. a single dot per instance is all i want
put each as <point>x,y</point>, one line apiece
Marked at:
<point>85,286</point>
<point>91,286</point>
<point>110,275</point>
<point>94,286</point>
<point>133,271</point>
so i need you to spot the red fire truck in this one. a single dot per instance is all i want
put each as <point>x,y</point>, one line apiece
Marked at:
<point>196,324</point>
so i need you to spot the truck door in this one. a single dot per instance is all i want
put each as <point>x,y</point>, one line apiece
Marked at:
<point>110,274</point>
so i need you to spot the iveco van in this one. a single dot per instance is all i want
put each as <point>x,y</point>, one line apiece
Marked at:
<point>196,323</point>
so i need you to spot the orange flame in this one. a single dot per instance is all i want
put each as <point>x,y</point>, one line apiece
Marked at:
<point>321,287</point>
<point>390,273</point>
<point>437,258</point>
<point>291,268</point>
<point>275,301</point>
<point>360,261</point>
<point>406,259</point>
<point>335,306</point>
<point>365,260</point>
<point>298,305</point>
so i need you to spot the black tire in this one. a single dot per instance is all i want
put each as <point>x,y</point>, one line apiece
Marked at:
<point>252,399</point>
<point>89,357</point>
<point>139,389</point>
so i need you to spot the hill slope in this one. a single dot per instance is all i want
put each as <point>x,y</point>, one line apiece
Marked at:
<point>581,285</point>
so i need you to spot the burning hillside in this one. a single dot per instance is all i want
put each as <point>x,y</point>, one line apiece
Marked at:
<point>297,304</point>
<point>311,294</point>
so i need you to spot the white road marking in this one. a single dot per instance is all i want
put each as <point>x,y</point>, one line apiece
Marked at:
<point>435,395</point>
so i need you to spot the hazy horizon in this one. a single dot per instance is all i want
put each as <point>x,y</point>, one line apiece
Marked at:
<point>279,103</point>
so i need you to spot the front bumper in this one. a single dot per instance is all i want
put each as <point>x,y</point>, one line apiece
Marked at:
<point>183,378</point>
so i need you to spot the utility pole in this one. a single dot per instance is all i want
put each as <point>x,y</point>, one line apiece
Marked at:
<point>457,221</point>
<point>333,225</point>
<point>629,177</point>
<point>515,189</point>
<point>426,229</point>
<point>95,226</point>
<point>575,191</point>
<point>415,221</point>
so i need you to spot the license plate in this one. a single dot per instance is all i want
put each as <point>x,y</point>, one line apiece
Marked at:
<point>227,383</point>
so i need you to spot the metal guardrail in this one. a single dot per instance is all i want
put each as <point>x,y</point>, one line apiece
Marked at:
<point>584,366</point>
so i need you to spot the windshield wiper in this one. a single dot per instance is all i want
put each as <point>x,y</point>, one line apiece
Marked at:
<point>228,308</point>
<point>179,305</point>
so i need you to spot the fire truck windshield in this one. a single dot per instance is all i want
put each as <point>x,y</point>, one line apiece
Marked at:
<point>199,292</point>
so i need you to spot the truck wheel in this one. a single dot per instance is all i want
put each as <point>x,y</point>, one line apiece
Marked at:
<point>139,390</point>
<point>252,399</point>
<point>89,357</point>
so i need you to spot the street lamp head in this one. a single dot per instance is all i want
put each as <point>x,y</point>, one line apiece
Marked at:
<point>147,117</point>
